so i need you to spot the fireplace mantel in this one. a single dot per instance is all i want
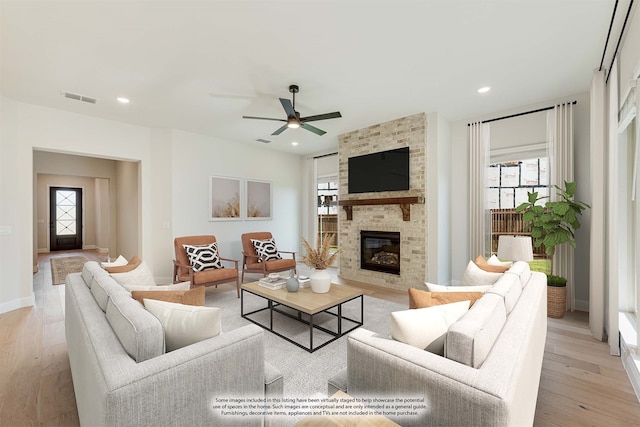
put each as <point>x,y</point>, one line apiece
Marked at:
<point>404,203</point>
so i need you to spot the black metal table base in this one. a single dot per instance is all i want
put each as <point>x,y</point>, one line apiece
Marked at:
<point>272,306</point>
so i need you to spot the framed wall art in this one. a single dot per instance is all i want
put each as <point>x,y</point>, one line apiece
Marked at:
<point>224,198</point>
<point>258,206</point>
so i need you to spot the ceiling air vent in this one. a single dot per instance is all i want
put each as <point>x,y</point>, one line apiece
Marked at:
<point>264,141</point>
<point>79,97</point>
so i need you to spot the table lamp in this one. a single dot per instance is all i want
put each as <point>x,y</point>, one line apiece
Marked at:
<point>515,248</point>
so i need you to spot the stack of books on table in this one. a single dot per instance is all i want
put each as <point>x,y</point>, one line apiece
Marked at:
<point>304,282</point>
<point>272,284</point>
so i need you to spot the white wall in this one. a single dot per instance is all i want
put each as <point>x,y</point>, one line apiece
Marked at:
<point>460,185</point>
<point>162,203</point>
<point>327,166</point>
<point>103,215</point>
<point>128,212</point>
<point>172,169</point>
<point>196,157</point>
<point>518,131</point>
<point>15,247</point>
<point>438,199</point>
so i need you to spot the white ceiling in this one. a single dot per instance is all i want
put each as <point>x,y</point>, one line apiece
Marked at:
<point>200,66</point>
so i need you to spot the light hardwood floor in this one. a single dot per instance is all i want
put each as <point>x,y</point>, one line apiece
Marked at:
<point>581,385</point>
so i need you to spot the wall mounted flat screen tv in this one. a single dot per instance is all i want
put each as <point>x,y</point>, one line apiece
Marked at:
<point>383,171</point>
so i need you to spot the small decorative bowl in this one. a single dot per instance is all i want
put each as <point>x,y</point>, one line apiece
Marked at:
<point>274,276</point>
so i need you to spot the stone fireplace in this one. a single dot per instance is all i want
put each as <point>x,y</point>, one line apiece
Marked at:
<point>397,213</point>
<point>380,251</point>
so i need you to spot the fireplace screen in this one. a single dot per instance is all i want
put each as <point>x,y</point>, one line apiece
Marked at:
<point>380,251</point>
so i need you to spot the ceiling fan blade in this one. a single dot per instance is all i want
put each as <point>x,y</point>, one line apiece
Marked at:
<point>312,129</point>
<point>280,130</point>
<point>263,118</point>
<point>326,116</point>
<point>288,107</point>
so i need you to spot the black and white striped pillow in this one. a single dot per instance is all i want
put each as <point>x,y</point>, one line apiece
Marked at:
<point>203,257</point>
<point>266,249</point>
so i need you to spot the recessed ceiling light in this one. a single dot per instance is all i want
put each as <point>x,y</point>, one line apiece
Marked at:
<point>484,89</point>
<point>294,143</point>
<point>123,100</point>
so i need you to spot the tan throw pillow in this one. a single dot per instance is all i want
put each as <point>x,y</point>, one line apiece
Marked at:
<point>483,264</point>
<point>131,265</point>
<point>422,299</point>
<point>191,297</point>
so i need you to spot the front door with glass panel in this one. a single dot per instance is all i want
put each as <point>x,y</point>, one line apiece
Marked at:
<point>66,218</point>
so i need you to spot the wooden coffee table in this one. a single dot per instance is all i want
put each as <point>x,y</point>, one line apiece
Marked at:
<point>305,302</point>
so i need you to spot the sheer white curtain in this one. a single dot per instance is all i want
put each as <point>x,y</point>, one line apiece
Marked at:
<point>560,132</point>
<point>310,205</point>
<point>598,136</point>
<point>613,324</point>
<point>479,232</point>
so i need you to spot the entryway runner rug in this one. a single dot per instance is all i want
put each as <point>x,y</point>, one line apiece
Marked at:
<point>62,266</point>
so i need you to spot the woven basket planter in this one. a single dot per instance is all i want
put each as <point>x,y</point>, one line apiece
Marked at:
<point>556,301</point>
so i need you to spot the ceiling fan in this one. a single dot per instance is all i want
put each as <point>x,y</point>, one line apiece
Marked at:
<point>293,119</point>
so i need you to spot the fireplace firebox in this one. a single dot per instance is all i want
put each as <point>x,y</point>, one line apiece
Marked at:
<point>380,251</point>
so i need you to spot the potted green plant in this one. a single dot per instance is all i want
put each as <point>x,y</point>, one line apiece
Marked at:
<point>553,224</point>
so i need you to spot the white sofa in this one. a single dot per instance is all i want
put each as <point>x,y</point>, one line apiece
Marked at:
<point>123,377</point>
<point>489,375</point>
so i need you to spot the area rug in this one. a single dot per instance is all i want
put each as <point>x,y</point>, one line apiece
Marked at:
<point>305,374</point>
<point>62,266</point>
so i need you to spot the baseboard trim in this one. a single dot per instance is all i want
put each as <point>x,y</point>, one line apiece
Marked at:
<point>631,364</point>
<point>102,250</point>
<point>43,250</point>
<point>18,303</point>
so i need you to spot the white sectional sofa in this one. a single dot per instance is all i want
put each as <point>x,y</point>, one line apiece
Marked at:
<point>489,375</point>
<point>122,375</point>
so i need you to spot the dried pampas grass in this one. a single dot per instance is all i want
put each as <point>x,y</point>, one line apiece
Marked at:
<point>320,258</point>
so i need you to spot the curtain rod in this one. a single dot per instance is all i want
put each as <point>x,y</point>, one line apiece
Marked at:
<point>615,53</point>
<point>606,43</point>
<point>326,155</point>
<point>520,114</point>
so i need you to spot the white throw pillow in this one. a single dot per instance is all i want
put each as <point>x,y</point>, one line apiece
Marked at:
<point>493,260</point>
<point>432,287</point>
<point>426,328</point>
<point>475,276</point>
<point>140,276</point>
<point>184,324</point>
<point>120,261</point>
<point>182,286</point>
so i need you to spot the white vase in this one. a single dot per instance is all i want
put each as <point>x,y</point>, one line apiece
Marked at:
<point>320,281</point>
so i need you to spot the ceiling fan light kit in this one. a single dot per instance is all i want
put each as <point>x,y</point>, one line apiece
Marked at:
<point>293,119</point>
